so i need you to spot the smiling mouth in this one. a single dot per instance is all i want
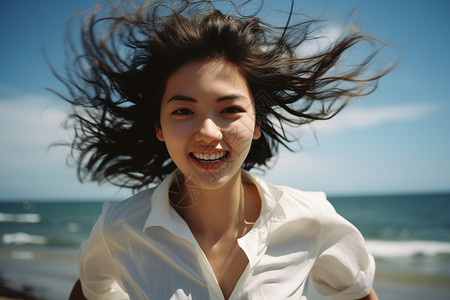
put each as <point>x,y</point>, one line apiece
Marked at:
<point>209,158</point>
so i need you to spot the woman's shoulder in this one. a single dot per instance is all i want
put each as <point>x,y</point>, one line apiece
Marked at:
<point>313,208</point>
<point>298,196</point>
<point>313,202</point>
<point>135,207</point>
<point>295,201</point>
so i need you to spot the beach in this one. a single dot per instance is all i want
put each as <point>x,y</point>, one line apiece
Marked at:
<point>47,276</point>
<point>409,236</point>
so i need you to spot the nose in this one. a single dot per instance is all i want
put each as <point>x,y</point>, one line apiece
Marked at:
<point>208,132</point>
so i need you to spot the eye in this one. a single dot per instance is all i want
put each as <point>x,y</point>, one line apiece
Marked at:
<point>182,112</point>
<point>232,110</point>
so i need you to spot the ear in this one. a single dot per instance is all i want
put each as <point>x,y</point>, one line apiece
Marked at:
<point>159,134</point>
<point>257,132</point>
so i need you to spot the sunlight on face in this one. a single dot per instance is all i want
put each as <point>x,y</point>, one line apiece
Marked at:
<point>208,121</point>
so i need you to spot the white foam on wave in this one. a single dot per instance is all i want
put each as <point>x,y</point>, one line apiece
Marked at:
<point>20,218</point>
<point>73,227</point>
<point>22,255</point>
<point>380,248</point>
<point>21,238</point>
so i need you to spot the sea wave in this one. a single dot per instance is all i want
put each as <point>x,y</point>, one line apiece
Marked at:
<point>21,238</point>
<point>22,255</point>
<point>397,249</point>
<point>20,218</point>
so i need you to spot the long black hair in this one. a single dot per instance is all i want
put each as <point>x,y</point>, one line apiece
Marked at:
<point>116,82</point>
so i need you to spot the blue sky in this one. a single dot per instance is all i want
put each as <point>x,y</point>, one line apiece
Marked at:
<point>396,140</point>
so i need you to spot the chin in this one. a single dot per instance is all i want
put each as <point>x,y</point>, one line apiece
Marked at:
<point>211,179</point>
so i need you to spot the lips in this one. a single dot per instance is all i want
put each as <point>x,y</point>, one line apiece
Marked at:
<point>209,161</point>
<point>209,156</point>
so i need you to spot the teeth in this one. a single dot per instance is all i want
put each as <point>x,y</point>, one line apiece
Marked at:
<point>211,156</point>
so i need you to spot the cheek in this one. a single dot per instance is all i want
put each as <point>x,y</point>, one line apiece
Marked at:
<point>175,143</point>
<point>179,131</point>
<point>241,133</point>
<point>176,135</point>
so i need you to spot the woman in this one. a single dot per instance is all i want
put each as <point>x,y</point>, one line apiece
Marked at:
<point>196,98</point>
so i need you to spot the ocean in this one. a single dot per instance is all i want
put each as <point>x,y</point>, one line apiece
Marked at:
<point>409,236</point>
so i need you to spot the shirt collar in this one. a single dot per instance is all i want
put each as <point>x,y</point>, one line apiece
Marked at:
<point>255,242</point>
<point>162,214</point>
<point>270,197</point>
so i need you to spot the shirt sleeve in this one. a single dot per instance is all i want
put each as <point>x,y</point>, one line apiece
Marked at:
<point>343,269</point>
<point>98,275</point>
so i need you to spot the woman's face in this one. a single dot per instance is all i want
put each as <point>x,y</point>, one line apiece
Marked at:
<point>208,121</point>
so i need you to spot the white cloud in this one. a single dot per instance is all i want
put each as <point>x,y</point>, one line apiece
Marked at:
<point>29,124</point>
<point>371,117</point>
<point>30,120</point>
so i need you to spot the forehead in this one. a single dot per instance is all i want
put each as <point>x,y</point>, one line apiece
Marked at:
<point>207,76</point>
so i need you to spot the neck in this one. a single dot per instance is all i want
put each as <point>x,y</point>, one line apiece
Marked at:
<point>229,210</point>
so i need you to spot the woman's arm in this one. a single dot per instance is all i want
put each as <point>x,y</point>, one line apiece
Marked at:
<point>372,296</point>
<point>77,293</point>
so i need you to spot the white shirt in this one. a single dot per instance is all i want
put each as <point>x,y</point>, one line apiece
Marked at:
<point>141,248</point>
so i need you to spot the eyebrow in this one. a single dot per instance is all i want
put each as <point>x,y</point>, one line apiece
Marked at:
<point>190,99</point>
